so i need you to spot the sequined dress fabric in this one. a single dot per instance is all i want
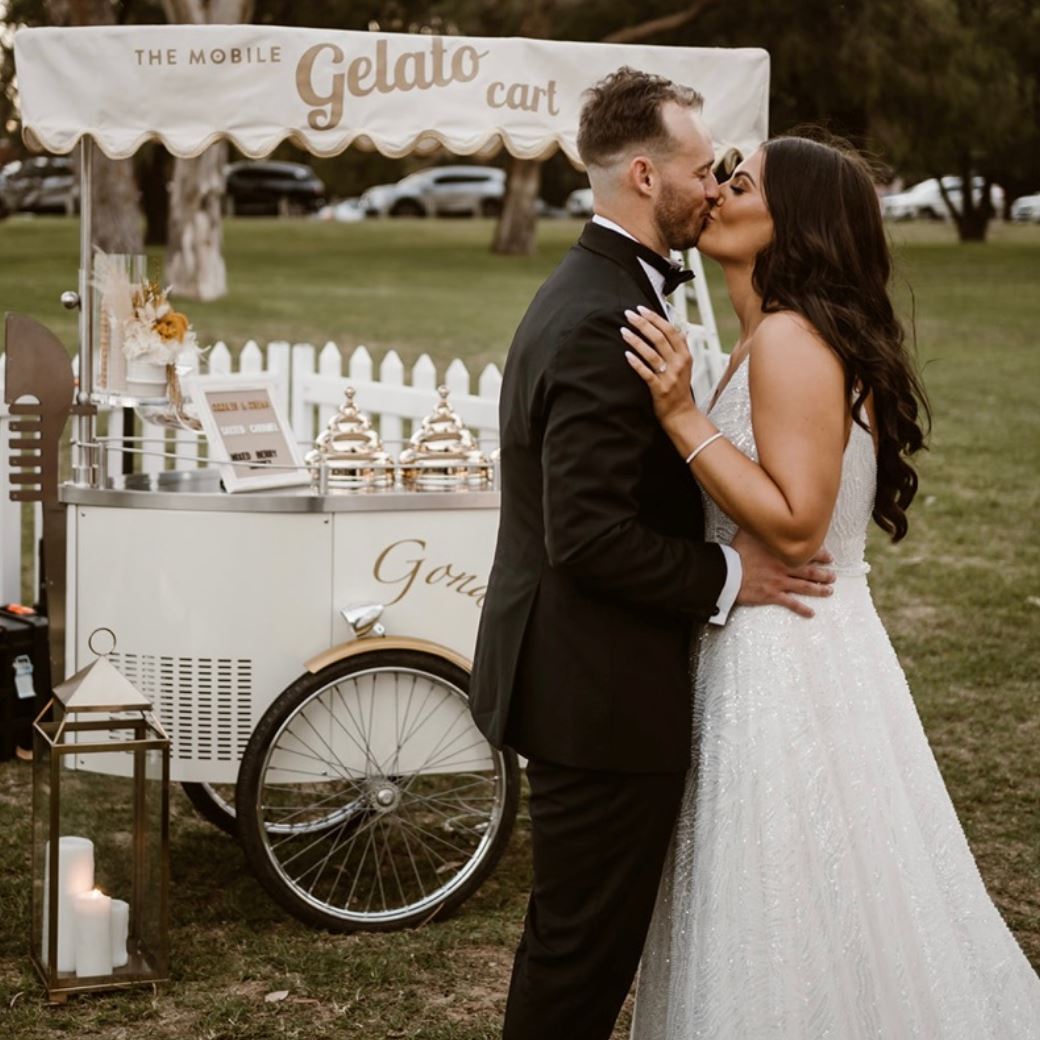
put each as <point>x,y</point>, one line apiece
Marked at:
<point>819,885</point>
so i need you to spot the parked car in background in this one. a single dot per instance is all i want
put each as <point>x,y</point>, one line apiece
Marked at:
<point>273,188</point>
<point>579,203</point>
<point>348,211</point>
<point>6,172</point>
<point>439,191</point>
<point>924,201</point>
<point>1026,208</point>
<point>45,184</point>
<point>375,201</point>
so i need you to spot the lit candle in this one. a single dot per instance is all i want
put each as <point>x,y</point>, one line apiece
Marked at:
<point>75,875</point>
<point>93,913</point>
<point>120,929</point>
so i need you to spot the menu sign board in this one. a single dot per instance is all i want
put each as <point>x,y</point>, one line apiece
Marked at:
<point>249,438</point>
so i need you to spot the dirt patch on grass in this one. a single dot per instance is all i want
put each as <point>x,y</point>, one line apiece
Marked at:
<point>479,986</point>
<point>16,791</point>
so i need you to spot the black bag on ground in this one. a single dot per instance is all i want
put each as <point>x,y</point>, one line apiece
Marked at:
<point>25,678</point>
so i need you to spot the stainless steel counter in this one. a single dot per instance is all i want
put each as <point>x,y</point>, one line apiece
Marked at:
<point>200,491</point>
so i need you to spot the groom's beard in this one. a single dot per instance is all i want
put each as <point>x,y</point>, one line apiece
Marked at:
<point>680,226</point>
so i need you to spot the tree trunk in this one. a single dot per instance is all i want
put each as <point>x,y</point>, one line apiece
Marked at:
<point>153,175</point>
<point>515,233</point>
<point>194,258</point>
<point>195,247</point>
<point>972,227</point>
<point>517,227</point>
<point>972,219</point>
<point>115,200</point>
<point>116,206</point>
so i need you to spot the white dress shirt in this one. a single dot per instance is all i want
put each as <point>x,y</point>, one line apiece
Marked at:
<point>734,570</point>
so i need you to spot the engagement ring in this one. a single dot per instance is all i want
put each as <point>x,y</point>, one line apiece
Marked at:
<point>661,371</point>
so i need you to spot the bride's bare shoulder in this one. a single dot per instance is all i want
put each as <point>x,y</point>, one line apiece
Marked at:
<point>779,327</point>
<point>788,356</point>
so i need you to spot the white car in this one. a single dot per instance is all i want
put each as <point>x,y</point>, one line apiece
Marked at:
<point>375,201</point>
<point>439,191</point>
<point>348,211</point>
<point>925,201</point>
<point>579,203</point>
<point>45,184</point>
<point>1026,208</point>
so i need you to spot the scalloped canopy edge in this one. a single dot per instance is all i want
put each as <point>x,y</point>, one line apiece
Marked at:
<point>257,86</point>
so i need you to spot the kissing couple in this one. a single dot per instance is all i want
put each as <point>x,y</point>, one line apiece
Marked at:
<point>771,838</point>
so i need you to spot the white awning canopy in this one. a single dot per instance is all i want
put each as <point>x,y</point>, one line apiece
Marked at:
<point>256,86</point>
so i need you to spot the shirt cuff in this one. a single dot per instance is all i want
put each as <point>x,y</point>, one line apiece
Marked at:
<point>728,595</point>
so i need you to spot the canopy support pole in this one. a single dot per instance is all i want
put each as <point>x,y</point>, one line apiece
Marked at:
<point>84,460</point>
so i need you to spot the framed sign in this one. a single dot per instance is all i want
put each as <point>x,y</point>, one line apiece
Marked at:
<point>249,438</point>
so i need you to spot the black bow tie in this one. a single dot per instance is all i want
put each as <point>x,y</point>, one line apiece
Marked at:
<point>674,275</point>
<point>674,278</point>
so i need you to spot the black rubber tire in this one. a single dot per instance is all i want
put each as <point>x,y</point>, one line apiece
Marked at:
<point>250,778</point>
<point>210,808</point>
<point>491,208</point>
<point>407,208</point>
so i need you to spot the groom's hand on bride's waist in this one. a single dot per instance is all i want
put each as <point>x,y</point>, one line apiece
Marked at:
<point>767,580</point>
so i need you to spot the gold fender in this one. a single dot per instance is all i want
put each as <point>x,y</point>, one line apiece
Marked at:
<point>363,646</point>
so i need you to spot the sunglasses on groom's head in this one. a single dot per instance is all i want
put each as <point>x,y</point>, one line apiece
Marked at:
<point>730,160</point>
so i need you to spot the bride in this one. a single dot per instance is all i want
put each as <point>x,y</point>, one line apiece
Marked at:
<point>819,883</point>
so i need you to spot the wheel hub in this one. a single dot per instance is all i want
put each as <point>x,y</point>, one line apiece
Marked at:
<point>384,796</point>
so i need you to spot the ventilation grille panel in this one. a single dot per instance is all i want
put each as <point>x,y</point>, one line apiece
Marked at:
<point>204,703</point>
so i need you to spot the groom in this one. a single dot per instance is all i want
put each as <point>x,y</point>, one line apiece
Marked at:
<point>600,572</point>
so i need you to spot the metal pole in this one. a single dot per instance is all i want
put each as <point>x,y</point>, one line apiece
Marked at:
<point>128,439</point>
<point>84,471</point>
<point>139,931</point>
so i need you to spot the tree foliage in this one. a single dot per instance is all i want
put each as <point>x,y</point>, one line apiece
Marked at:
<point>962,99</point>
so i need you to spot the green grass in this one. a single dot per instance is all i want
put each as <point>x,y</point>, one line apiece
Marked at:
<point>961,598</point>
<point>409,285</point>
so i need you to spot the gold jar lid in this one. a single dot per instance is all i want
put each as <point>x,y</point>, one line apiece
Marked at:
<point>351,451</point>
<point>442,453</point>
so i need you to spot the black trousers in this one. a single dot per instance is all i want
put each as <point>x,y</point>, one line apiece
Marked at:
<point>599,841</point>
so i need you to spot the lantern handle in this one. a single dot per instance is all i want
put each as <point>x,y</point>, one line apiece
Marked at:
<point>97,631</point>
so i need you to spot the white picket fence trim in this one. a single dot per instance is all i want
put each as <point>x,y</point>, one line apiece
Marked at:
<point>388,399</point>
<point>310,387</point>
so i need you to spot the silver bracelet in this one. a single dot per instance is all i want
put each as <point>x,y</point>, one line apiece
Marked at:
<point>700,447</point>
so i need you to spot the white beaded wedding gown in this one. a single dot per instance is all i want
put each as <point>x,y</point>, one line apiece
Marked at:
<point>819,884</point>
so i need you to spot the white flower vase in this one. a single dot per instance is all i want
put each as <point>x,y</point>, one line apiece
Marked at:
<point>145,378</point>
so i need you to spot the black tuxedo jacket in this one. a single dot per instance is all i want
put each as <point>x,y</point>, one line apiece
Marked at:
<point>600,569</point>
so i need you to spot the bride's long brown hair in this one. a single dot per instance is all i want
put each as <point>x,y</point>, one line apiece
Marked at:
<point>829,261</point>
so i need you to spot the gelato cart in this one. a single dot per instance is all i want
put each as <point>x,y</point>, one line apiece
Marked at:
<point>305,644</point>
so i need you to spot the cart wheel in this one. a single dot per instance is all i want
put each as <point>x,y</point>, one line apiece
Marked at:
<point>215,803</point>
<point>368,800</point>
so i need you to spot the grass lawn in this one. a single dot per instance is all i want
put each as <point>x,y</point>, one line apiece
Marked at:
<point>961,598</point>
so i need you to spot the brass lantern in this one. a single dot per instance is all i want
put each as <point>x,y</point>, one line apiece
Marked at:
<point>100,837</point>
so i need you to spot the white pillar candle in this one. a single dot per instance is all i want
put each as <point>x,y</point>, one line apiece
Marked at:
<point>75,875</point>
<point>93,912</point>
<point>120,930</point>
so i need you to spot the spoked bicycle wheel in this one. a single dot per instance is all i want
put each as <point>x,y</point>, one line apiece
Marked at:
<point>215,803</point>
<point>367,800</point>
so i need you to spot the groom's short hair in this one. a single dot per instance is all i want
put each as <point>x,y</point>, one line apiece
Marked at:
<point>623,110</point>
